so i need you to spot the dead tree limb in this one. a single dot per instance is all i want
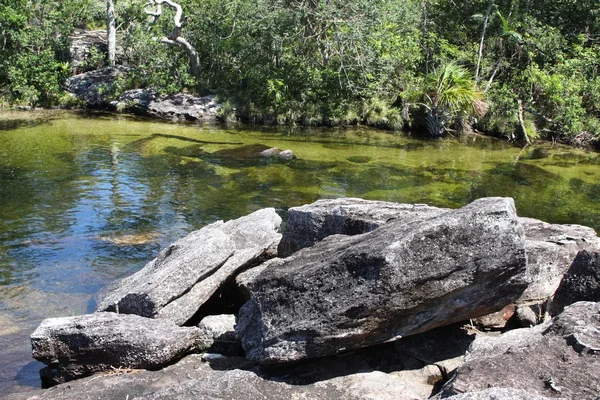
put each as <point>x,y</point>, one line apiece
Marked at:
<point>174,38</point>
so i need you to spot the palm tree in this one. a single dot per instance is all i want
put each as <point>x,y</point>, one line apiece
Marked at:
<point>448,94</point>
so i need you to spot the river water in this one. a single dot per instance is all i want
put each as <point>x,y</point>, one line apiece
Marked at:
<point>89,198</point>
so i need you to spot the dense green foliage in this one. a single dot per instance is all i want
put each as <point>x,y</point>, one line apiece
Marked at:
<point>428,64</point>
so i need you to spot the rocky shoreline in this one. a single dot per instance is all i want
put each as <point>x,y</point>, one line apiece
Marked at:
<point>349,298</point>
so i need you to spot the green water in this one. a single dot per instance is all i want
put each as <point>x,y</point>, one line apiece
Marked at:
<point>86,199</point>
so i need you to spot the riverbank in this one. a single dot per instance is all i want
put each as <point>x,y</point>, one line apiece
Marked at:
<point>88,197</point>
<point>424,323</point>
<point>186,109</point>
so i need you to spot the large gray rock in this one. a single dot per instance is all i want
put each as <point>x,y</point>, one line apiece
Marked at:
<point>311,223</point>
<point>178,107</point>
<point>551,249</point>
<point>580,283</point>
<point>95,88</point>
<point>400,279</point>
<point>82,43</point>
<point>558,359</point>
<point>188,272</point>
<point>74,347</point>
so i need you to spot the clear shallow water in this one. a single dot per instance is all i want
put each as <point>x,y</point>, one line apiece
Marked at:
<point>86,199</point>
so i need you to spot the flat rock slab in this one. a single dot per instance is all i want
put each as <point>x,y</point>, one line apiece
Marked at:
<point>401,279</point>
<point>311,223</point>
<point>556,359</point>
<point>551,248</point>
<point>74,347</point>
<point>500,394</point>
<point>185,274</point>
<point>208,377</point>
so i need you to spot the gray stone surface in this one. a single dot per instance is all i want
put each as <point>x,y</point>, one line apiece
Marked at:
<point>499,394</point>
<point>188,272</point>
<point>218,335</point>
<point>74,347</point>
<point>178,107</point>
<point>95,87</point>
<point>311,223</point>
<point>400,279</point>
<point>528,316</point>
<point>551,249</point>
<point>209,377</point>
<point>580,283</point>
<point>555,359</point>
<point>82,41</point>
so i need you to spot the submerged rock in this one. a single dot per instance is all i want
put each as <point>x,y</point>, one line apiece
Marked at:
<point>188,272</point>
<point>74,347</point>
<point>401,279</point>
<point>557,359</point>
<point>274,152</point>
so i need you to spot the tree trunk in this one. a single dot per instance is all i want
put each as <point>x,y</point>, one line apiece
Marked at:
<point>111,31</point>
<point>425,37</point>
<point>485,25</point>
<point>522,122</point>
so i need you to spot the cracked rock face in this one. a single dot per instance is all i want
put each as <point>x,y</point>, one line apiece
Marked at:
<point>178,107</point>
<point>559,359</point>
<point>401,279</point>
<point>551,248</point>
<point>580,283</point>
<point>74,347</point>
<point>311,223</point>
<point>185,274</point>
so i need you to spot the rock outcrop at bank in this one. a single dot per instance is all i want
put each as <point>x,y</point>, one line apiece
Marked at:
<point>98,89</point>
<point>179,107</point>
<point>375,298</point>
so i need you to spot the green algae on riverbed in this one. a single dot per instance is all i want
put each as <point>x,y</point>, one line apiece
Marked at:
<point>88,198</point>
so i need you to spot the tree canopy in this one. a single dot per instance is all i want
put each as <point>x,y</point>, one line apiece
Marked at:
<point>334,61</point>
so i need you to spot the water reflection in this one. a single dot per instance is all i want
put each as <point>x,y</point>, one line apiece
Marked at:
<point>88,200</point>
